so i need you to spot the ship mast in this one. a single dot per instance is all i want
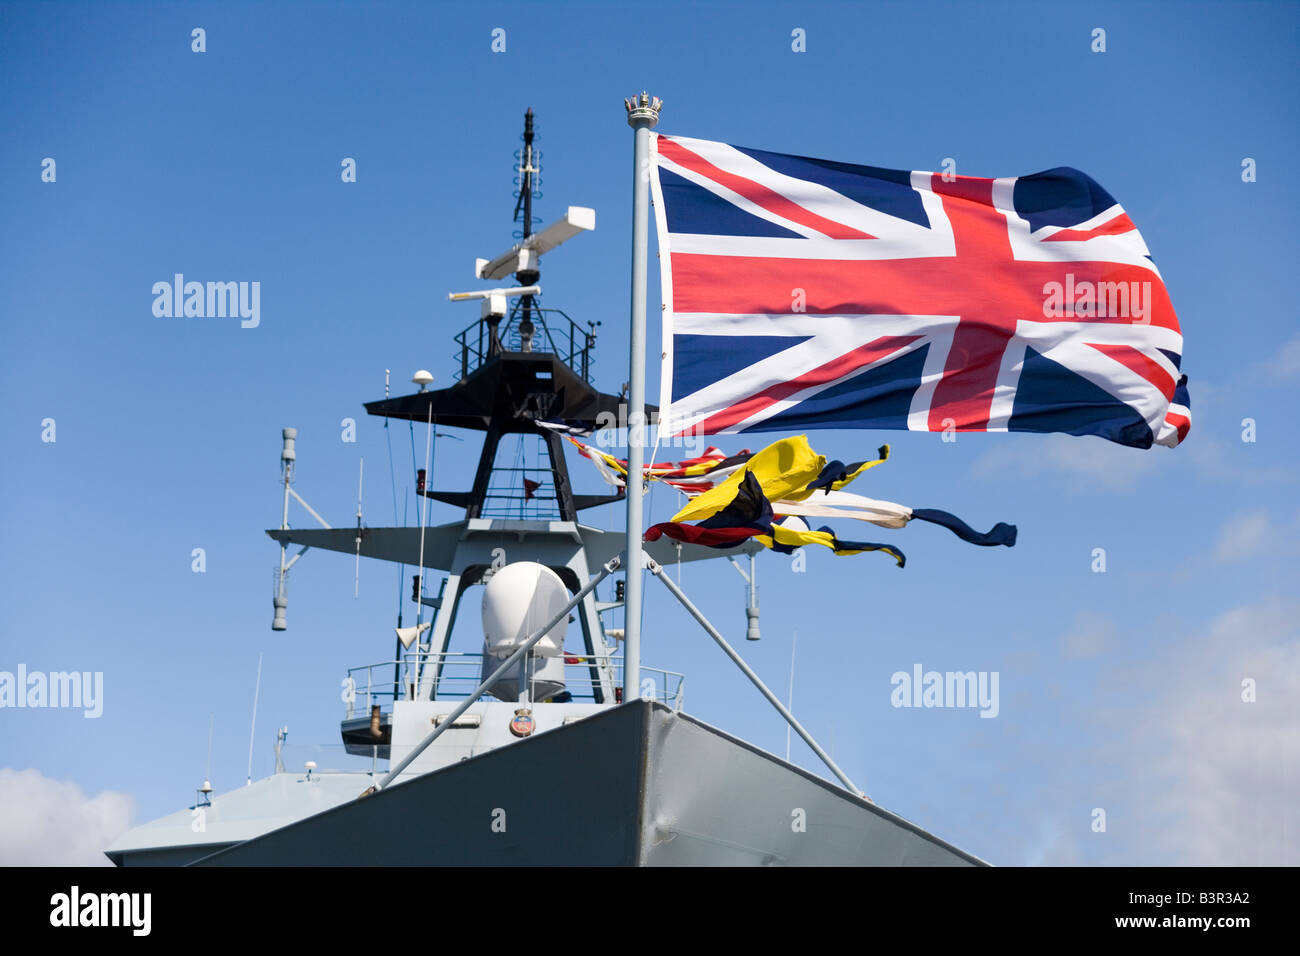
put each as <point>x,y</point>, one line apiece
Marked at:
<point>525,371</point>
<point>529,167</point>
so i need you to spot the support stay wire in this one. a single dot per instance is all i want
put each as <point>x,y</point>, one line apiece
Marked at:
<point>657,570</point>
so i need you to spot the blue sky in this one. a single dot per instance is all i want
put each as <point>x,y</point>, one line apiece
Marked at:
<point>1119,690</point>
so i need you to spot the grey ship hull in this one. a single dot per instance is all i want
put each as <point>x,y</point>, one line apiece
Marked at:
<point>637,785</point>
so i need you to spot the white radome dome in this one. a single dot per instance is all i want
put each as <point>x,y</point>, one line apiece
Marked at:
<point>518,599</point>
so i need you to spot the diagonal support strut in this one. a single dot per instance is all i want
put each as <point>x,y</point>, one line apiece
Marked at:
<point>657,570</point>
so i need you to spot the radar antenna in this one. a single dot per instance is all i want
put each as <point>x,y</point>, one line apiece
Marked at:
<point>523,259</point>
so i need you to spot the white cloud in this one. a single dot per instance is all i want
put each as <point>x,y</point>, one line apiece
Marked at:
<point>1256,534</point>
<point>1086,461</point>
<point>1052,843</point>
<point>1244,536</point>
<point>1092,634</point>
<point>1091,462</point>
<point>46,822</point>
<point>1285,364</point>
<point>1186,770</point>
<point>1225,774</point>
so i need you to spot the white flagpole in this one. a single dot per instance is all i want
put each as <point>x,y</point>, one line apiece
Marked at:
<point>642,115</point>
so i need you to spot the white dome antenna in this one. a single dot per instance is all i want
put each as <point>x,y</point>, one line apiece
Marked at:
<point>518,599</point>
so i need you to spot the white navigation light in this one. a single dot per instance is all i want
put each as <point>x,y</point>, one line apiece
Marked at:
<point>523,256</point>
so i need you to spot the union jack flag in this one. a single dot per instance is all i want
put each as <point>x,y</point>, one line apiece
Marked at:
<point>802,293</point>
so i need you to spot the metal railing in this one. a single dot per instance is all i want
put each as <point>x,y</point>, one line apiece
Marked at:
<point>553,332</point>
<point>371,684</point>
<point>508,497</point>
<point>328,758</point>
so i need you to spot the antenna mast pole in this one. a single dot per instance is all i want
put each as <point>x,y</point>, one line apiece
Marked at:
<point>419,593</point>
<point>642,115</point>
<point>527,169</point>
<point>526,179</point>
<point>252,733</point>
<point>356,584</point>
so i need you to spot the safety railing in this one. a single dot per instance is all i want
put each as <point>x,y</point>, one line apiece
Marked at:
<point>552,331</point>
<point>324,758</point>
<point>460,672</point>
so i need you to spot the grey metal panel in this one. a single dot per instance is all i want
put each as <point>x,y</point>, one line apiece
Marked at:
<point>236,815</point>
<point>166,856</point>
<point>634,784</point>
<point>603,545</point>
<point>402,545</point>
<point>570,796</point>
<point>714,800</point>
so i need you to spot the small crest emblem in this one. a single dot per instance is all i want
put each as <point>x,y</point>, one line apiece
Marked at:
<point>522,724</point>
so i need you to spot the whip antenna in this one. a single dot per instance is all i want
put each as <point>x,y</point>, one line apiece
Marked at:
<point>356,584</point>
